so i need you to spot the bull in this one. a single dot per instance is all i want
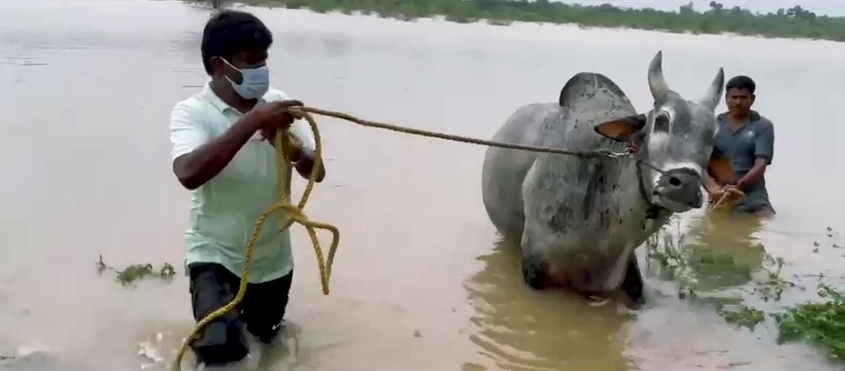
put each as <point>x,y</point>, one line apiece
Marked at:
<point>580,219</point>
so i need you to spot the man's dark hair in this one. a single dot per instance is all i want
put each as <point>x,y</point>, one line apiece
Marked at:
<point>229,32</point>
<point>741,82</point>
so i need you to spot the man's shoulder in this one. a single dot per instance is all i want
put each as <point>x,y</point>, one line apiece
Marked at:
<point>760,120</point>
<point>195,103</point>
<point>193,109</point>
<point>765,123</point>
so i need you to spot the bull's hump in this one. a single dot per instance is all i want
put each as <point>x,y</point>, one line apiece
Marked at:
<point>589,92</point>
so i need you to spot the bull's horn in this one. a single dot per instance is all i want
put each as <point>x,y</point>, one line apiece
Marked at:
<point>714,94</point>
<point>656,81</point>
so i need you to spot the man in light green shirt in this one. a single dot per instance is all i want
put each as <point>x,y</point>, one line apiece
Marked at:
<point>222,152</point>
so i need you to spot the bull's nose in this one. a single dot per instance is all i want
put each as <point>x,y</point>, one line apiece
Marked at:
<point>680,179</point>
<point>676,180</point>
<point>681,185</point>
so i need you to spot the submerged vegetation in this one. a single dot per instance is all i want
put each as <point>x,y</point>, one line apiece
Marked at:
<point>136,272</point>
<point>718,279</point>
<point>820,322</point>
<point>794,22</point>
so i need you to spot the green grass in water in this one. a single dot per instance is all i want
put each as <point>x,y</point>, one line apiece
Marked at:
<point>821,322</point>
<point>133,273</point>
<point>700,272</point>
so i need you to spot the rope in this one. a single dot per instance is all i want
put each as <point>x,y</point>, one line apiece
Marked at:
<point>453,138</point>
<point>295,213</point>
<point>721,201</point>
<point>726,195</point>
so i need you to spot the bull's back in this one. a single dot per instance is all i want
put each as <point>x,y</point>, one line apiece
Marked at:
<point>504,169</point>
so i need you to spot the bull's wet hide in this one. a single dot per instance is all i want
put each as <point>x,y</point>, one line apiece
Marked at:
<point>631,293</point>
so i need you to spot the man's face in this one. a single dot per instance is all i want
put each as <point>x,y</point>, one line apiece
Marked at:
<point>243,60</point>
<point>739,101</point>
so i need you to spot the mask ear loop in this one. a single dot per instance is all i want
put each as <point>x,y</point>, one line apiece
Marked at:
<point>230,65</point>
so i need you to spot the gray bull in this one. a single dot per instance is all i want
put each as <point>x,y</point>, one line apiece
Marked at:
<point>580,219</point>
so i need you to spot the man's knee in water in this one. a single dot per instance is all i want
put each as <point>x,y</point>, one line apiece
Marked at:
<point>213,349</point>
<point>764,212</point>
<point>264,308</point>
<point>761,211</point>
<point>222,341</point>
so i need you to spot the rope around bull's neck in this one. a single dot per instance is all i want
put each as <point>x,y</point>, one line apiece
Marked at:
<point>295,212</point>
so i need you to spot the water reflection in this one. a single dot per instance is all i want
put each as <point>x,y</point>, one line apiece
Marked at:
<point>725,249</point>
<point>522,329</point>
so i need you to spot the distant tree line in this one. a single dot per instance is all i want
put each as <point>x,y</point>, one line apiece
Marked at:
<point>794,22</point>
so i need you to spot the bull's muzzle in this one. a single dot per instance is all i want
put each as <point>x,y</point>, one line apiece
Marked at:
<point>681,186</point>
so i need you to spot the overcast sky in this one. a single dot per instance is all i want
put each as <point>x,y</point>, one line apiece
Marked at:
<point>827,7</point>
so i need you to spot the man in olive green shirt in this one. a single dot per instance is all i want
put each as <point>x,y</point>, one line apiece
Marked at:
<point>222,152</point>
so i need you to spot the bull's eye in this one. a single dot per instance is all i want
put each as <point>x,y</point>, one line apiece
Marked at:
<point>661,123</point>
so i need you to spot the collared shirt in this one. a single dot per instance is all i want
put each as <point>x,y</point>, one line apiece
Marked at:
<point>743,146</point>
<point>225,209</point>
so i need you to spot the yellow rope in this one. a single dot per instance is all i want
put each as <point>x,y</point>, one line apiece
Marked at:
<point>295,213</point>
<point>450,137</point>
<point>721,201</point>
<point>724,202</point>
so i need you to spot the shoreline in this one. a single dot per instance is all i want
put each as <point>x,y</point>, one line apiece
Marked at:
<point>804,27</point>
<point>573,31</point>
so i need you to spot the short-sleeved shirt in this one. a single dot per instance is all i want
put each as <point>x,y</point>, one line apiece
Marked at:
<point>225,209</point>
<point>743,147</point>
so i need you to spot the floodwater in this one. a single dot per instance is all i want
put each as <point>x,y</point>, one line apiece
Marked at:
<point>421,281</point>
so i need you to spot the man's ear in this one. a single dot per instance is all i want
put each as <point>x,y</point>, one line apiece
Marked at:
<point>720,169</point>
<point>621,129</point>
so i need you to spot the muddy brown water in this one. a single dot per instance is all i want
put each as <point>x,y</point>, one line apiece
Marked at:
<point>421,282</point>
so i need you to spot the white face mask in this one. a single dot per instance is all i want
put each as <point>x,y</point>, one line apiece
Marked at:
<point>254,81</point>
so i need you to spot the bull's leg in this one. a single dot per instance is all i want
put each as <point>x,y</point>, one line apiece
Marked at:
<point>633,284</point>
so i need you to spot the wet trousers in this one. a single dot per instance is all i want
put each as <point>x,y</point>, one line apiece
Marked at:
<point>261,312</point>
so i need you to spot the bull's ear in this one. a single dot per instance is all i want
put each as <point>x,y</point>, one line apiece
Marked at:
<point>621,129</point>
<point>719,167</point>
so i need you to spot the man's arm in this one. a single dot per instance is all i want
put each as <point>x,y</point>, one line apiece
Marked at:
<point>196,157</point>
<point>764,152</point>
<point>711,185</point>
<point>306,156</point>
<point>303,143</point>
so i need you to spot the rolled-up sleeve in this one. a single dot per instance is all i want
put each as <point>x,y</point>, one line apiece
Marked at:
<point>186,130</point>
<point>300,128</point>
<point>764,145</point>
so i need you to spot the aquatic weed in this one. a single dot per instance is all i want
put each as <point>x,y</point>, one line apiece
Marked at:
<point>135,272</point>
<point>820,322</point>
<point>771,288</point>
<point>741,315</point>
<point>666,250</point>
<point>699,273</point>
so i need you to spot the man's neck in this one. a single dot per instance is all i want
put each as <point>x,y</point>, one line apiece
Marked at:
<point>737,120</point>
<point>230,97</point>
